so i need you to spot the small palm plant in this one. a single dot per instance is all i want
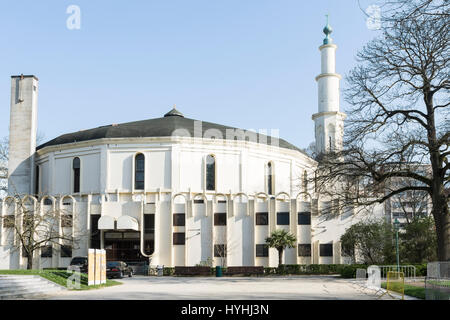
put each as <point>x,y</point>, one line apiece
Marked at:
<point>280,239</point>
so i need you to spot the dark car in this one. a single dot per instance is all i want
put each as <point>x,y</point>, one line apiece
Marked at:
<point>139,267</point>
<point>118,269</point>
<point>78,263</point>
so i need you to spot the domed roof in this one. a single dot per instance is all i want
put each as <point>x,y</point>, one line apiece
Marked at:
<point>158,127</point>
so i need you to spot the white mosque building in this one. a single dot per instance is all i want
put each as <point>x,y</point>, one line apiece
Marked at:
<point>174,190</point>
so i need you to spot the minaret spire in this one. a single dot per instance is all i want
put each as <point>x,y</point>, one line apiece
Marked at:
<point>329,121</point>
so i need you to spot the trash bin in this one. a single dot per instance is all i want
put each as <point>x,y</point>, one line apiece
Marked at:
<point>160,271</point>
<point>218,271</point>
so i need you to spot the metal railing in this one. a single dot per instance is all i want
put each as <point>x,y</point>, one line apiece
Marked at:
<point>408,271</point>
<point>437,282</point>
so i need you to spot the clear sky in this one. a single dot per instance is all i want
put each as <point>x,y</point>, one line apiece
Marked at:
<point>244,63</point>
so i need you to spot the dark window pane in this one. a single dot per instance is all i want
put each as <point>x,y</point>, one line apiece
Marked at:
<point>149,223</point>
<point>282,218</point>
<point>262,218</point>
<point>304,250</point>
<point>46,252</point>
<point>76,180</point>
<point>220,250</point>
<point>304,218</point>
<point>210,173</point>
<point>326,250</point>
<point>179,219</point>
<point>139,172</point>
<point>95,233</point>
<point>199,201</point>
<point>149,246</point>
<point>76,163</point>
<point>269,176</point>
<point>178,238</point>
<point>220,219</point>
<point>36,186</point>
<point>139,176</point>
<point>66,251</point>
<point>262,250</point>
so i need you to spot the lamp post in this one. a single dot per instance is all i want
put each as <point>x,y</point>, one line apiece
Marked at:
<point>396,228</point>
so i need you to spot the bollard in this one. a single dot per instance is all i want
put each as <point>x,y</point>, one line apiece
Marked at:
<point>218,271</point>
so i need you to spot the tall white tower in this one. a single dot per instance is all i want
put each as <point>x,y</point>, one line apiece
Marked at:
<point>22,134</point>
<point>329,121</point>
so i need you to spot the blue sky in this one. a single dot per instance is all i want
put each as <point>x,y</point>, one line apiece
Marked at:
<point>244,63</point>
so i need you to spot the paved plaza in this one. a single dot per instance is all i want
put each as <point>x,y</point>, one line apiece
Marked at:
<point>202,288</point>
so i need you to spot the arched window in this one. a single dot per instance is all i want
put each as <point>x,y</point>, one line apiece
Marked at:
<point>76,174</point>
<point>210,172</point>
<point>270,178</point>
<point>139,172</point>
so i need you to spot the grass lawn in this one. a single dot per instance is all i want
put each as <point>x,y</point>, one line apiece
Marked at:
<point>412,291</point>
<point>60,277</point>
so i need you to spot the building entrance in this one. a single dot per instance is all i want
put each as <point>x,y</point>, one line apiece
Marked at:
<point>125,246</point>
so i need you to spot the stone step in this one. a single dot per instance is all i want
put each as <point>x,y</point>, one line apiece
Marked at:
<point>29,287</point>
<point>17,286</point>
<point>25,293</point>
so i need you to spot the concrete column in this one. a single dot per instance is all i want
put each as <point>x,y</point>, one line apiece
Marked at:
<point>22,134</point>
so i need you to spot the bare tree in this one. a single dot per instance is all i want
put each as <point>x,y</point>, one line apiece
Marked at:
<point>29,227</point>
<point>398,120</point>
<point>4,144</point>
<point>4,156</point>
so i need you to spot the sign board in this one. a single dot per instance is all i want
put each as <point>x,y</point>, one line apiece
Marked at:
<point>96,266</point>
<point>91,267</point>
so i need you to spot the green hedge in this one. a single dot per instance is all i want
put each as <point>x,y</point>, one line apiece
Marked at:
<point>346,271</point>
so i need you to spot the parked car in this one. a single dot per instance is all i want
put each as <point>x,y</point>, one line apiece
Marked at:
<point>118,269</point>
<point>78,263</point>
<point>139,267</point>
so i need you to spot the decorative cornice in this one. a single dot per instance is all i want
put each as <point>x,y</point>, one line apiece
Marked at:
<point>329,113</point>
<point>322,75</point>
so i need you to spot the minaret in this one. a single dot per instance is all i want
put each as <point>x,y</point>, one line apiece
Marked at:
<point>329,121</point>
<point>22,134</point>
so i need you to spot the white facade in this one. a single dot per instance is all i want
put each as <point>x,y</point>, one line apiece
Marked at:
<point>257,189</point>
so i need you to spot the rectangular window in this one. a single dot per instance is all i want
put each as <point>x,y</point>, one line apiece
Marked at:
<point>304,250</point>
<point>220,219</point>
<point>262,250</point>
<point>262,218</point>
<point>95,233</point>
<point>304,218</point>
<point>179,238</point>
<point>283,218</point>
<point>149,223</point>
<point>46,252</point>
<point>326,250</point>
<point>66,251</point>
<point>220,250</point>
<point>9,221</point>
<point>199,201</point>
<point>36,186</point>
<point>67,221</point>
<point>76,180</point>
<point>179,219</point>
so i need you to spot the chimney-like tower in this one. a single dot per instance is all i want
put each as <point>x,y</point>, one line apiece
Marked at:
<point>329,121</point>
<point>22,134</point>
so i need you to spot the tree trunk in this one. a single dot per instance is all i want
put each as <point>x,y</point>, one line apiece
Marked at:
<point>442,222</point>
<point>280,257</point>
<point>29,262</point>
